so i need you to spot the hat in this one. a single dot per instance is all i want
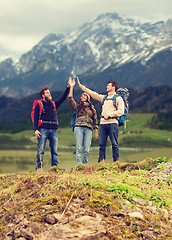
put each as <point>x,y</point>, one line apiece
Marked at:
<point>87,95</point>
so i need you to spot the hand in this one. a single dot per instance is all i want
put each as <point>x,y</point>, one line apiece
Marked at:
<point>96,136</point>
<point>71,82</point>
<point>106,117</point>
<point>37,134</point>
<point>79,84</point>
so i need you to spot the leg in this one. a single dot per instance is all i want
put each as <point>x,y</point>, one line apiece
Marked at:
<point>103,134</point>
<point>41,147</point>
<point>87,144</point>
<point>113,134</point>
<point>78,132</point>
<point>53,143</point>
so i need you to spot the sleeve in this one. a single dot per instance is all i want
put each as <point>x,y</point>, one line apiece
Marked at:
<point>120,107</point>
<point>36,117</point>
<point>95,123</point>
<point>94,95</point>
<point>72,103</point>
<point>62,98</point>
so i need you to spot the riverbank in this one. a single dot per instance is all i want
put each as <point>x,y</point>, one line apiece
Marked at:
<point>106,201</point>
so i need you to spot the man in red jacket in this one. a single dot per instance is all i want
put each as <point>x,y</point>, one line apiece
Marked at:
<point>48,127</point>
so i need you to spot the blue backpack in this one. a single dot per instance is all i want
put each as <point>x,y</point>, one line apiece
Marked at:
<point>124,93</point>
<point>73,119</point>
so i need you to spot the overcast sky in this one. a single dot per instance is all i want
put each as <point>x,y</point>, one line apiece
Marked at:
<point>23,23</point>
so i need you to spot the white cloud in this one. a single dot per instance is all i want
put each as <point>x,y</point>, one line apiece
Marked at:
<point>25,22</point>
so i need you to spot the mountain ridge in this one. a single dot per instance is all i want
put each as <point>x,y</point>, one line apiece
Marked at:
<point>106,45</point>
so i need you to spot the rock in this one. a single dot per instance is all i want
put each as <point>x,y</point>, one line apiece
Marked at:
<point>148,235</point>
<point>35,228</point>
<point>82,228</point>
<point>57,216</point>
<point>84,196</point>
<point>136,214</point>
<point>152,209</point>
<point>50,219</point>
<point>28,235</point>
<point>140,201</point>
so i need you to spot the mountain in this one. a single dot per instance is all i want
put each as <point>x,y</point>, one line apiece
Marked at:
<point>134,53</point>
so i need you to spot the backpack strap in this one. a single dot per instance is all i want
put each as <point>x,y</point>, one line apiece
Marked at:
<point>114,100</point>
<point>104,99</point>
<point>54,106</point>
<point>41,108</point>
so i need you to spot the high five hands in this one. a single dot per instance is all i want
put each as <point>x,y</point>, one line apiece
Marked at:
<point>72,82</point>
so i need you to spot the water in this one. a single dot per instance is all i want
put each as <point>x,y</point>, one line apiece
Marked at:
<point>12,161</point>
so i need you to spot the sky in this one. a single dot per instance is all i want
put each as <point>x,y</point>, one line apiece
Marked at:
<point>23,23</point>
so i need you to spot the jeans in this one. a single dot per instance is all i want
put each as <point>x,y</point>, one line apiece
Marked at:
<point>82,134</point>
<point>52,136</point>
<point>110,130</point>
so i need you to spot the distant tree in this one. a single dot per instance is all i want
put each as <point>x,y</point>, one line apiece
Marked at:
<point>162,121</point>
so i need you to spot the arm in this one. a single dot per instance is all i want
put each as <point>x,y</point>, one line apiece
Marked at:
<point>70,99</point>
<point>94,95</point>
<point>120,107</point>
<point>119,111</point>
<point>96,134</point>
<point>63,97</point>
<point>72,84</point>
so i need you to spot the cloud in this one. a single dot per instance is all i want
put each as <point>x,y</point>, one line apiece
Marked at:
<point>25,23</point>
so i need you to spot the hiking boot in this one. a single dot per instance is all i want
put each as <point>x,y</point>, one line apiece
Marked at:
<point>101,161</point>
<point>39,169</point>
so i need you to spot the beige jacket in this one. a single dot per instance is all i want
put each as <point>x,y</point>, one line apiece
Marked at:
<point>108,108</point>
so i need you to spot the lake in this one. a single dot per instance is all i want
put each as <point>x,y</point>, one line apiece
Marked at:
<point>13,161</point>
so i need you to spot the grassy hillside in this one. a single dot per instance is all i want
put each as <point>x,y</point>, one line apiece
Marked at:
<point>106,201</point>
<point>136,134</point>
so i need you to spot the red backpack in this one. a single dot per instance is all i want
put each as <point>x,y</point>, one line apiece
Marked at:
<point>39,101</point>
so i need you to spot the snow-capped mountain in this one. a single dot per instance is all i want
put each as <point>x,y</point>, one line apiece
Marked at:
<point>107,45</point>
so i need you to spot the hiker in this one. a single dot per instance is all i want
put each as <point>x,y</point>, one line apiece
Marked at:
<point>108,122</point>
<point>86,121</point>
<point>49,125</point>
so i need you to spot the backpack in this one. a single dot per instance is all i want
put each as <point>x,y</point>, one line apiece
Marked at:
<point>41,108</point>
<point>73,119</point>
<point>124,93</point>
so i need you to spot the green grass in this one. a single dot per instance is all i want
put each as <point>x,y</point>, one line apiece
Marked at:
<point>136,134</point>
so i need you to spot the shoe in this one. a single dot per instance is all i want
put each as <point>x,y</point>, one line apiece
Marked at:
<point>39,169</point>
<point>101,160</point>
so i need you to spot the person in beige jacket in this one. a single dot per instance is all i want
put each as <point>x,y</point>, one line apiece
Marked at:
<point>108,121</point>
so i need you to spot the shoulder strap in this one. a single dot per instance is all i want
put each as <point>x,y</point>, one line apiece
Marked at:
<point>104,99</point>
<point>40,107</point>
<point>114,99</point>
<point>54,106</point>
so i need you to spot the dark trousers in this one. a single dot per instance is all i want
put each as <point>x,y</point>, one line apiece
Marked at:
<point>110,130</point>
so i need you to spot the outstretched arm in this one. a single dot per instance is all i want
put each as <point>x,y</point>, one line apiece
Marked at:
<point>72,84</point>
<point>93,94</point>
<point>63,97</point>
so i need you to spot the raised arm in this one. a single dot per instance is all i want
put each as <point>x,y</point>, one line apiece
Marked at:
<point>72,84</point>
<point>94,95</point>
<point>63,96</point>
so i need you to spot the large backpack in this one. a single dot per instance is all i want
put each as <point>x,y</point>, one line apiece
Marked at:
<point>124,93</point>
<point>41,107</point>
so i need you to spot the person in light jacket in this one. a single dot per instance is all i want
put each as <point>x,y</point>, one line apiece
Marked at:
<point>108,122</point>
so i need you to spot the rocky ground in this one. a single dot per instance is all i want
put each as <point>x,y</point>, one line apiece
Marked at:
<point>83,217</point>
